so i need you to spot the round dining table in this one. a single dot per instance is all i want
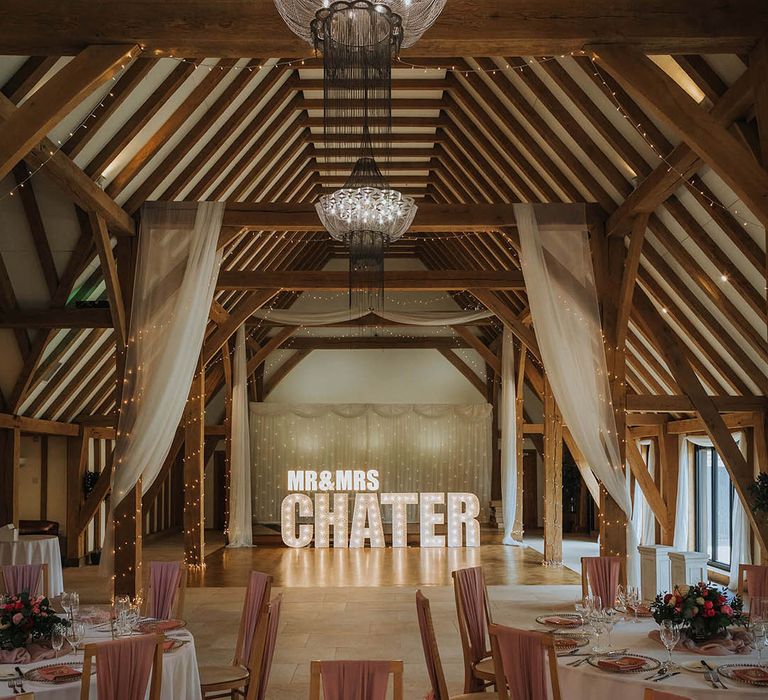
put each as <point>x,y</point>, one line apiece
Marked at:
<point>586,681</point>
<point>181,678</point>
<point>36,549</point>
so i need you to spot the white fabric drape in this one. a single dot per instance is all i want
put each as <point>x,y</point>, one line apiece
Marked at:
<point>643,520</point>
<point>176,273</point>
<point>411,318</point>
<point>560,283</point>
<point>508,426</point>
<point>415,448</point>
<point>240,530</point>
<point>740,546</point>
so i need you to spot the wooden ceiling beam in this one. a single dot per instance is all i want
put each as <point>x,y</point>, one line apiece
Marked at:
<point>647,403</point>
<point>465,27</point>
<point>266,216</point>
<point>55,318</point>
<point>394,280</point>
<point>29,124</point>
<point>24,80</point>
<point>284,370</point>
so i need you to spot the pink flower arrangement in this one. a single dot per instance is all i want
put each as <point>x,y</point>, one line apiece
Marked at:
<point>23,617</point>
<point>704,610</point>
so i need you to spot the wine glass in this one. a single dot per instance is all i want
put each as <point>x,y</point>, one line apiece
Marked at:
<point>76,634</point>
<point>597,623</point>
<point>610,618</point>
<point>66,603</point>
<point>58,634</point>
<point>74,604</point>
<point>581,610</point>
<point>634,599</point>
<point>621,599</point>
<point>669,632</point>
<point>759,631</point>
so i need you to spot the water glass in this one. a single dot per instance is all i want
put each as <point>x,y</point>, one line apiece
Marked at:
<point>58,635</point>
<point>669,632</point>
<point>610,618</point>
<point>597,623</point>
<point>759,631</point>
<point>76,634</point>
<point>633,600</point>
<point>621,598</point>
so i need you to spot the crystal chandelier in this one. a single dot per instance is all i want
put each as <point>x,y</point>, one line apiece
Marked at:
<point>366,215</point>
<point>305,17</point>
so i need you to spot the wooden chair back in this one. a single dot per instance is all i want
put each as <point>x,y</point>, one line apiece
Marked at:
<point>548,647</point>
<point>741,585</point>
<point>395,670</point>
<point>585,579</point>
<point>466,644</point>
<point>653,694</point>
<point>155,679</point>
<point>258,646</point>
<point>177,611</point>
<point>42,586</point>
<point>431,651</point>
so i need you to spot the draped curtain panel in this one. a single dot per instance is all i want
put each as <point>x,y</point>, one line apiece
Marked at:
<point>643,519</point>
<point>560,282</point>
<point>411,318</point>
<point>415,448</point>
<point>240,529</point>
<point>508,429</point>
<point>176,272</point>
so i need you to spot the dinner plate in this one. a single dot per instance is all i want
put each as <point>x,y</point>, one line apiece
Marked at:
<point>156,626</point>
<point>694,667</point>
<point>650,664</point>
<point>33,675</point>
<point>576,641</point>
<point>731,671</point>
<point>8,675</point>
<point>575,620</point>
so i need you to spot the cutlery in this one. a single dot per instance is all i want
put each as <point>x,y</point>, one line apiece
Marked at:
<point>12,686</point>
<point>708,677</point>
<point>714,676</point>
<point>655,673</point>
<point>574,664</point>
<point>668,675</point>
<point>21,679</point>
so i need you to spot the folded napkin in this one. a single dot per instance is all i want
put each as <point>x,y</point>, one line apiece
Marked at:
<point>642,611</point>
<point>170,644</point>
<point>160,626</point>
<point>730,644</point>
<point>561,621</point>
<point>57,674</point>
<point>25,655</point>
<point>754,674</point>
<point>623,663</point>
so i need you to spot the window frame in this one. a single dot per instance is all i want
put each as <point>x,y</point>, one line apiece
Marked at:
<point>698,452</point>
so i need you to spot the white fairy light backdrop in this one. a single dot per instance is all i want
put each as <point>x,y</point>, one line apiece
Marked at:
<point>434,448</point>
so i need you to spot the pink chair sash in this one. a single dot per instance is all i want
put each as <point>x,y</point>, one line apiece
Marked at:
<point>429,643</point>
<point>522,657</point>
<point>603,575</point>
<point>269,650</point>
<point>254,601</point>
<point>22,578</point>
<point>471,583</point>
<point>164,580</point>
<point>354,680</point>
<point>124,666</point>
<point>757,587</point>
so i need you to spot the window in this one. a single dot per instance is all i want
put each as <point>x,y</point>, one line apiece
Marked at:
<point>714,505</point>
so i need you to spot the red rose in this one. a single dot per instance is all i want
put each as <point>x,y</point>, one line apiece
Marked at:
<point>708,604</point>
<point>667,598</point>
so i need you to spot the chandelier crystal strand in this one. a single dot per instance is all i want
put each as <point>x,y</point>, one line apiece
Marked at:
<point>417,16</point>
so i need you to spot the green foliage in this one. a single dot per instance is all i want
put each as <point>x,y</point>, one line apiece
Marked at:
<point>760,493</point>
<point>23,617</point>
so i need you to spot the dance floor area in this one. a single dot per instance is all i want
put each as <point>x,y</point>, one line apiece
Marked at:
<point>353,604</point>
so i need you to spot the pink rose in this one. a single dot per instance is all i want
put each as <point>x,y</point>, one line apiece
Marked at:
<point>36,610</point>
<point>17,618</point>
<point>727,610</point>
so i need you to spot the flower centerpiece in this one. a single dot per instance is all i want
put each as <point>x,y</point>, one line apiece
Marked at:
<point>25,618</point>
<point>702,610</point>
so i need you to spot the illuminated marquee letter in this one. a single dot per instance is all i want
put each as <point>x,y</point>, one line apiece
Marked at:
<point>399,503</point>
<point>324,518</point>
<point>288,528</point>
<point>295,480</point>
<point>458,516</point>
<point>343,479</point>
<point>366,508</point>
<point>429,519</point>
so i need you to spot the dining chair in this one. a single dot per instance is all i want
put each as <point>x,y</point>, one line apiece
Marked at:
<point>165,593</point>
<point>18,696</point>
<point>653,694</point>
<point>241,675</point>
<point>18,578</point>
<point>602,575</point>
<point>432,656</point>
<point>474,616</point>
<point>525,664</point>
<point>756,585</point>
<point>125,667</point>
<point>273,622</point>
<point>355,680</point>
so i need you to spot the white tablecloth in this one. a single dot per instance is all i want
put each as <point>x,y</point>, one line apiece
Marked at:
<point>181,678</point>
<point>36,549</point>
<point>584,681</point>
